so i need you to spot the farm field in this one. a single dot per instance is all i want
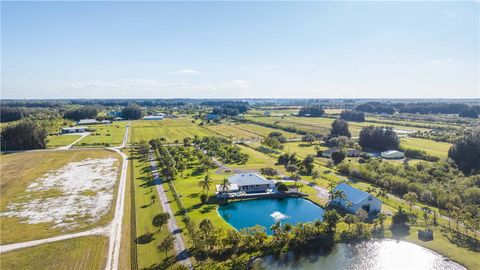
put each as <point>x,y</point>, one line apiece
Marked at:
<point>170,129</point>
<point>104,135</point>
<point>247,131</point>
<point>83,253</point>
<point>434,148</point>
<point>323,125</point>
<point>55,141</point>
<point>39,199</point>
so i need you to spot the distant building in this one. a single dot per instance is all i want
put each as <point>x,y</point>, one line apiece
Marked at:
<point>328,152</point>
<point>88,122</point>
<point>248,183</point>
<point>106,122</point>
<point>353,153</point>
<point>392,154</point>
<point>67,130</point>
<point>118,119</point>
<point>356,199</point>
<point>153,117</point>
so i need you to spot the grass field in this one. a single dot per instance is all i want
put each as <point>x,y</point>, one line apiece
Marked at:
<point>147,205</point>
<point>247,131</point>
<point>21,169</point>
<point>111,135</point>
<point>439,149</point>
<point>55,141</point>
<point>76,254</point>
<point>323,125</point>
<point>170,129</point>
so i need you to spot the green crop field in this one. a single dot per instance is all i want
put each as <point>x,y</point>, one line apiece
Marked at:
<point>77,254</point>
<point>323,125</point>
<point>439,149</point>
<point>54,141</point>
<point>247,131</point>
<point>170,129</point>
<point>111,134</point>
<point>18,171</point>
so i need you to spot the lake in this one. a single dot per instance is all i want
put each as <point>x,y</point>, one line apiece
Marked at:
<point>371,255</point>
<point>265,212</point>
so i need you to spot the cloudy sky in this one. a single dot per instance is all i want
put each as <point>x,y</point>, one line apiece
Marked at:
<point>235,50</point>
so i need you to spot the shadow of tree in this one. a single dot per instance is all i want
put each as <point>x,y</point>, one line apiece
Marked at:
<point>464,241</point>
<point>400,230</point>
<point>167,263</point>
<point>145,239</point>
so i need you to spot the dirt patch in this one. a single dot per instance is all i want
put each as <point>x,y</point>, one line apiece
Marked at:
<point>84,191</point>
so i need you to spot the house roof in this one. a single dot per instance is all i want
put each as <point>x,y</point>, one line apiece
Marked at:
<point>353,195</point>
<point>87,121</point>
<point>246,179</point>
<point>74,128</point>
<point>230,187</point>
<point>389,152</point>
<point>331,150</point>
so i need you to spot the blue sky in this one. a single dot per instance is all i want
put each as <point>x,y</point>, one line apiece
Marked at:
<point>238,50</point>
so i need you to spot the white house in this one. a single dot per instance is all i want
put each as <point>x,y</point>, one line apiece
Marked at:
<point>248,183</point>
<point>88,122</point>
<point>356,199</point>
<point>106,122</point>
<point>67,130</point>
<point>392,154</point>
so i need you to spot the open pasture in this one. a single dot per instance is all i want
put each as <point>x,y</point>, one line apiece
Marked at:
<point>247,131</point>
<point>83,253</point>
<point>104,135</point>
<point>434,148</point>
<point>48,193</point>
<point>55,141</point>
<point>170,129</point>
<point>323,125</point>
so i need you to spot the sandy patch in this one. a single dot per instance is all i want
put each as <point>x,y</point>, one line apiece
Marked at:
<point>79,192</point>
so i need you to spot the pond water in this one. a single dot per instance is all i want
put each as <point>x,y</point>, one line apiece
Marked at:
<point>266,212</point>
<point>372,255</point>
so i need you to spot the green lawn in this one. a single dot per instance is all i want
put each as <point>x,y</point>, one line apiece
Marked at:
<point>439,149</point>
<point>111,134</point>
<point>77,253</point>
<point>170,129</point>
<point>146,209</point>
<point>54,141</point>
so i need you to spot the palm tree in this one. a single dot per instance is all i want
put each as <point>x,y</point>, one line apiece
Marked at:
<point>167,244</point>
<point>205,183</point>
<point>225,185</point>
<point>382,194</point>
<point>334,194</point>
<point>275,227</point>
<point>426,212</point>
<point>381,219</point>
<point>331,185</point>
<point>370,190</point>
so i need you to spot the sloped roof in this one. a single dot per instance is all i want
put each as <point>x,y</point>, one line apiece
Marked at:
<point>246,179</point>
<point>353,195</point>
<point>87,121</point>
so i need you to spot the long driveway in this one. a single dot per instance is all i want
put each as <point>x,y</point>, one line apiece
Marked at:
<point>182,254</point>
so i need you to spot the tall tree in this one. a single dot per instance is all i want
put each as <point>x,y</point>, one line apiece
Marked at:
<point>23,136</point>
<point>205,183</point>
<point>466,152</point>
<point>340,128</point>
<point>167,244</point>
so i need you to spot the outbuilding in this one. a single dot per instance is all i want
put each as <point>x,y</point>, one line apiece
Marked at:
<point>392,154</point>
<point>153,117</point>
<point>355,200</point>
<point>68,130</point>
<point>88,122</point>
<point>328,153</point>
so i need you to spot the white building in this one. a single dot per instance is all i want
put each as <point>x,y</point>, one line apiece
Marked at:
<point>106,122</point>
<point>356,200</point>
<point>67,130</point>
<point>88,122</point>
<point>328,152</point>
<point>153,117</point>
<point>248,183</point>
<point>392,154</point>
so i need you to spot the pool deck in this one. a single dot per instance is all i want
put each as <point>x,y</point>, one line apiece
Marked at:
<point>268,195</point>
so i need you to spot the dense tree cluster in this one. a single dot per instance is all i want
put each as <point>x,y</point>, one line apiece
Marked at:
<point>132,111</point>
<point>380,138</point>
<point>340,128</point>
<point>274,140</point>
<point>227,108</point>
<point>349,115</point>
<point>293,164</point>
<point>311,111</point>
<point>23,136</point>
<point>375,107</point>
<point>85,112</point>
<point>466,152</point>
<point>223,149</point>
<point>9,114</point>
<point>468,112</point>
<point>432,108</point>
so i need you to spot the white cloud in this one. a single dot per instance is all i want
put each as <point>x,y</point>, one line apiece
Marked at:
<point>186,72</point>
<point>437,62</point>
